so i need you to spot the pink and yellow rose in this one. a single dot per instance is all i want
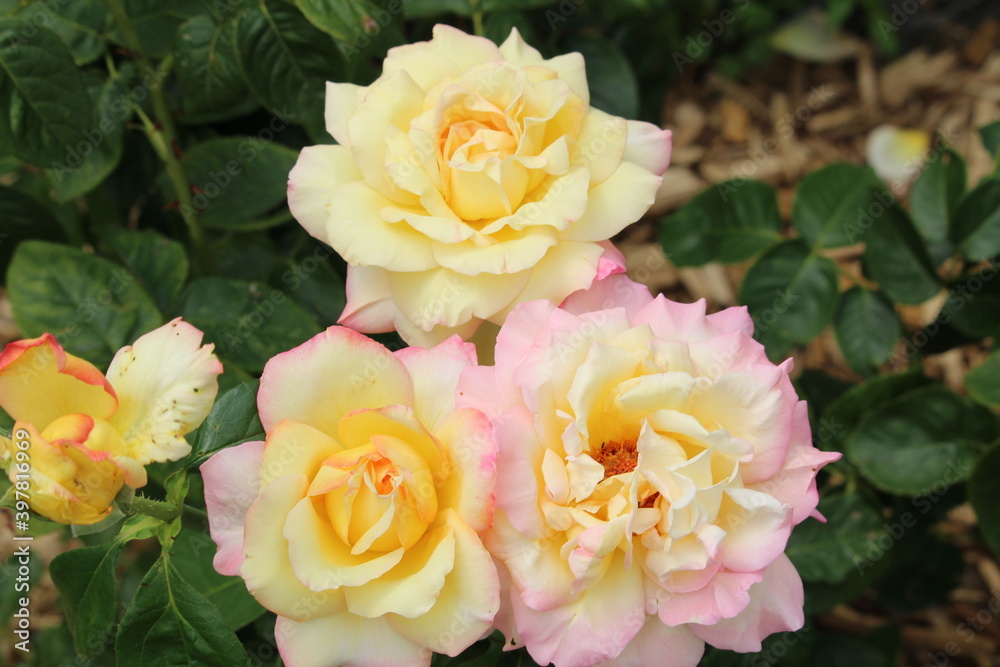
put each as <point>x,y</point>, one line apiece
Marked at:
<point>652,463</point>
<point>357,520</point>
<point>470,178</point>
<point>79,436</point>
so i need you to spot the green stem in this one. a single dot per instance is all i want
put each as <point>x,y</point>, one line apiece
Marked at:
<point>163,134</point>
<point>155,508</point>
<point>194,511</point>
<point>477,17</point>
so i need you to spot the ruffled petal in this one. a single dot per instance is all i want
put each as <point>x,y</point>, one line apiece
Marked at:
<point>435,374</point>
<point>330,375</point>
<point>232,483</point>
<point>346,640</point>
<point>166,384</point>
<point>317,174</point>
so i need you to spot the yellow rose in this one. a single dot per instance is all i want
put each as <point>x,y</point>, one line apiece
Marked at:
<point>470,178</point>
<point>80,436</point>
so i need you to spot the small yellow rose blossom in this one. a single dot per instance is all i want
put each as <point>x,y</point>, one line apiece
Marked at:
<point>79,436</point>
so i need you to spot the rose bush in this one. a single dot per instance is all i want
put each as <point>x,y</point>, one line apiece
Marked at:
<point>469,178</point>
<point>88,435</point>
<point>652,463</point>
<point>356,520</point>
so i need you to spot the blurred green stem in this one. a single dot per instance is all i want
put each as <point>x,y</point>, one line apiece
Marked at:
<point>477,17</point>
<point>162,134</point>
<point>155,508</point>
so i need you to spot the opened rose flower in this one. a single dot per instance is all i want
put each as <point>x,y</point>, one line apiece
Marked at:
<point>652,463</point>
<point>356,521</point>
<point>469,178</point>
<point>79,436</point>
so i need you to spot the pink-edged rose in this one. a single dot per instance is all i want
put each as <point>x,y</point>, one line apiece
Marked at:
<point>469,178</point>
<point>652,463</point>
<point>357,520</point>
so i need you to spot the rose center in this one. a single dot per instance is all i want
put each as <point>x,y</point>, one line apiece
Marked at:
<point>617,457</point>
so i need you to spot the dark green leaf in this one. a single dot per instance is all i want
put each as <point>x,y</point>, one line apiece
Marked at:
<point>990,134</point>
<point>834,205</point>
<point>895,257</point>
<point>192,553</point>
<point>89,161</point>
<point>23,217</point>
<point>983,381</point>
<point>87,585</point>
<point>208,66</point>
<point>923,439</point>
<point>977,222</point>
<point>46,108</point>
<point>791,294</point>
<point>867,329</point>
<point>973,305</point>
<point>160,264</point>
<point>728,223</point>
<point>314,284</point>
<point>233,420</point>
<point>357,24</point>
<point>286,61</point>
<point>612,83</point>
<point>933,198</point>
<point>93,306</point>
<point>984,489</point>
<point>249,323</point>
<point>238,179</point>
<point>830,551</point>
<point>846,411</point>
<point>81,24</point>
<point>156,22</point>
<point>922,571</point>
<point>171,623</point>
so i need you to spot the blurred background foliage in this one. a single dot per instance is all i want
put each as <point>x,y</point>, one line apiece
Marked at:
<point>144,151</point>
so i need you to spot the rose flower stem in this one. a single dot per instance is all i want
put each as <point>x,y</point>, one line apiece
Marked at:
<point>155,508</point>
<point>163,135</point>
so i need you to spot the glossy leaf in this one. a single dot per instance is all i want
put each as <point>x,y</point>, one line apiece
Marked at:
<point>729,223</point>
<point>93,306</point>
<point>43,94</point>
<point>896,259</point>
<point>233,420</point>
<point>834,205</point>
<point>791,294</point>
<point>867,329</point>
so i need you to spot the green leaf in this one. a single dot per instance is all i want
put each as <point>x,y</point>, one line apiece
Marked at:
<point>315,285</point>
<point>159,263</point>
<point>88,586</point>
<point>922,571</point>
<point>828,552</point>
<point>93,306</point>
<point>728,223</point>
<point>613,85</point>
<point>249,323</point>
<point>156,22</point>
<point>867,329</point>
<point>81,24</point>
<point>791,294</point>
<point>286,61</point>
<point>845,412</point>
<point>357,24</point>
<point>23,217</point>
<point>895,257</point>
<point>990,134</point>
<point>208,66</point>
<point>983,381</point>
<point>171,623</point>
<point>232,421</point>
<point>832,205</point>
<point>973,305</point>
<point>933,199</point>
<point>977,222</point>
<point>238,179</point>
<point>923,439</point>
<point>89,161</point>
<point>984,489</point>
<point>192,553</point>
<point>44,97</point>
